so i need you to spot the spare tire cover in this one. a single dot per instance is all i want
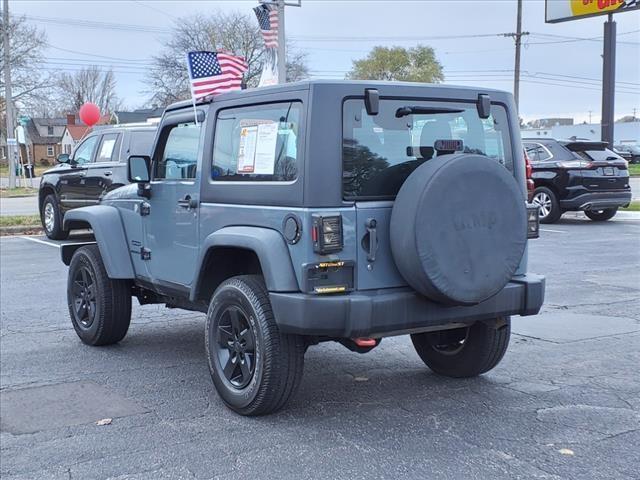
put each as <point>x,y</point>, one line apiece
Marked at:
<point>458,228</point>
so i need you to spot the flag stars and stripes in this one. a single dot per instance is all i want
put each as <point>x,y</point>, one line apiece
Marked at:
<point>214,73</point>
<point>267,15</point>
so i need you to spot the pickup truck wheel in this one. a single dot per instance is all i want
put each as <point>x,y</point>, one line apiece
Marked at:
<point>464,352</point>
<point>254,367</point>
<point>548,206</point>
<point>601,215</point>
<point>51,218</point>
<point>100,307</point>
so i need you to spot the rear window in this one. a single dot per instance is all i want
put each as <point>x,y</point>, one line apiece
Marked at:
<point>599,155</point>
<point>141,142</point>
<point>379,152</point>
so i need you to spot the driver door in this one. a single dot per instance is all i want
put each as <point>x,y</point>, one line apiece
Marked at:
<point>73,191</point>
<point>171,227</point>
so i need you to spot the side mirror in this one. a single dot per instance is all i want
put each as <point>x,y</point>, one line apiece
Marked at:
<point>138,169</point>
<point>62,158</point>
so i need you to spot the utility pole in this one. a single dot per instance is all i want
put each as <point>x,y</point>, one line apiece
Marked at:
<point>282,46</point>
<point>589,117</point>
<point>282,40</point>
<point>516,73</point>
<point>12,143</point>
<point>608,80</point>
<point>517,36</point>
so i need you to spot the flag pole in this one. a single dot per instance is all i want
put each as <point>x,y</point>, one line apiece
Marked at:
<point>193,94</point>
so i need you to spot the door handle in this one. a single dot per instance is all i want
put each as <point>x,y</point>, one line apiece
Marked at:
<point>370,239</point>
<point>188,202</point>
<point>108,173</point>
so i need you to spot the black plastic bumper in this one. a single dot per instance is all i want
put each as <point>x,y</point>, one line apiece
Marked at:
<point>597,200</point>
<point>380,313</point>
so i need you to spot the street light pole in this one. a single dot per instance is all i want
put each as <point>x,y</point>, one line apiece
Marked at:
<point>608,80</point>
<point>8,98</point>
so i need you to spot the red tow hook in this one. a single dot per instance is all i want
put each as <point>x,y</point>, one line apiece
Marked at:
<point>365,342</point>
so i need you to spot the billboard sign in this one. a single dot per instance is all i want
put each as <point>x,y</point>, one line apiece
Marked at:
<point>565,10</point>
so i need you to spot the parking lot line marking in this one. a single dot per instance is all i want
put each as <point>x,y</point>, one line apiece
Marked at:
<point>554,231</point>
<point>37,240</point>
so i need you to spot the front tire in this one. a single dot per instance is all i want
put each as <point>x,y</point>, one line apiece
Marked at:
<point>255,368</point>
<point>51,219</point>
<point>100,308</point>
<point>464,352</point>
<point>547,203</point>
<point>601,215</point>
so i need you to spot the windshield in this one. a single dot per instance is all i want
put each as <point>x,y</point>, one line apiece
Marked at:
<point>379,152</point>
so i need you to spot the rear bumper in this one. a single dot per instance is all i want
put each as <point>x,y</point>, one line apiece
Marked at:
<point>380,313</point>
<point>597,200</point>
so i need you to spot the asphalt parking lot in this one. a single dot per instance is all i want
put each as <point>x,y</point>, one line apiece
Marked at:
<point>564,403</point>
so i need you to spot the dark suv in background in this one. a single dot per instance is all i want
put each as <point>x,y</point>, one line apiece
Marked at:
<point>631,153</point>
<point>97,165</point>
<point>577,176</point>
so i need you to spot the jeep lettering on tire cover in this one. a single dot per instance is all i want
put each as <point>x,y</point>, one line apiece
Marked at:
<point>458,228</point>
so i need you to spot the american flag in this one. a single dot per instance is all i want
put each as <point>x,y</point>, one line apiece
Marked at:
<point>213,73</point>
<point>268,19</point>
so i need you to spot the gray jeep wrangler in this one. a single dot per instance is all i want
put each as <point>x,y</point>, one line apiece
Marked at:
<point>316,211</point>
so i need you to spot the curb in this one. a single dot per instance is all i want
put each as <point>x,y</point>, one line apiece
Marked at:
<point>19,196</point>
<point>21,230</point>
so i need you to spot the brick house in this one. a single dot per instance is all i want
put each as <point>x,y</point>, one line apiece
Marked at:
<point>44,136</point>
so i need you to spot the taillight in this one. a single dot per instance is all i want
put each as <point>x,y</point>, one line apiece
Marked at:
<point>529,171</point>
<point>326,234</point>
<point>527,163</point>
<point>574,164</point>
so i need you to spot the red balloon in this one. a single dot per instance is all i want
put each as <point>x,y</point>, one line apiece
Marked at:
<point>89,114</point>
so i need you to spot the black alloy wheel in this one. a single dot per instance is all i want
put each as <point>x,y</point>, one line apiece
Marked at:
<point>83,292</point>
<point>237,352</point>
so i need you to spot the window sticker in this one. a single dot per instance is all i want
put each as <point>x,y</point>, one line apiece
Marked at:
<point>257,150</point>
<point>107,148</point>
<point>247,149</point>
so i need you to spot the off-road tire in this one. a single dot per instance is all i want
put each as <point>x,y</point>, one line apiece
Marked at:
<point>555,211</point>
<point>55,231</point>
<point>111,300</point>
<point>601,215</point>
<point>278,358</point>
<point>483,348</point>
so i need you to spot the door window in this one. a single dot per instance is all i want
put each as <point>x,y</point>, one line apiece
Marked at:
<point>84,152</point>
<point>537,153</point>
<point>179,159</point>
<point>107,150</point>
<point>257,143</point>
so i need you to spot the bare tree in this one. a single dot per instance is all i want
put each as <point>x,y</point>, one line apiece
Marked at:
<point>31,84</point>
<point>90,84</point>
<point>234,32</point>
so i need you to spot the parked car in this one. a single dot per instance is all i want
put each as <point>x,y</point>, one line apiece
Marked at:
<point>318,211</point>
<point>631,153</point>
<point>577,176</point>
<point>96,166</point>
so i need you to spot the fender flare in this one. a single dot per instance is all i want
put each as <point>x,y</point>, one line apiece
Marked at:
<point>267,244</point>
<point>108,231</point>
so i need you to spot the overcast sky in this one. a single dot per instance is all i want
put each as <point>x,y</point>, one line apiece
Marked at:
<point>335,32</point>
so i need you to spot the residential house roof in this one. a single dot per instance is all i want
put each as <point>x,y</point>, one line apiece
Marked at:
<point>37,139</point>
<point>78,131</point>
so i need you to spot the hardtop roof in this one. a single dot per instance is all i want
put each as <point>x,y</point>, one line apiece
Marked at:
<point>309,84</point>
